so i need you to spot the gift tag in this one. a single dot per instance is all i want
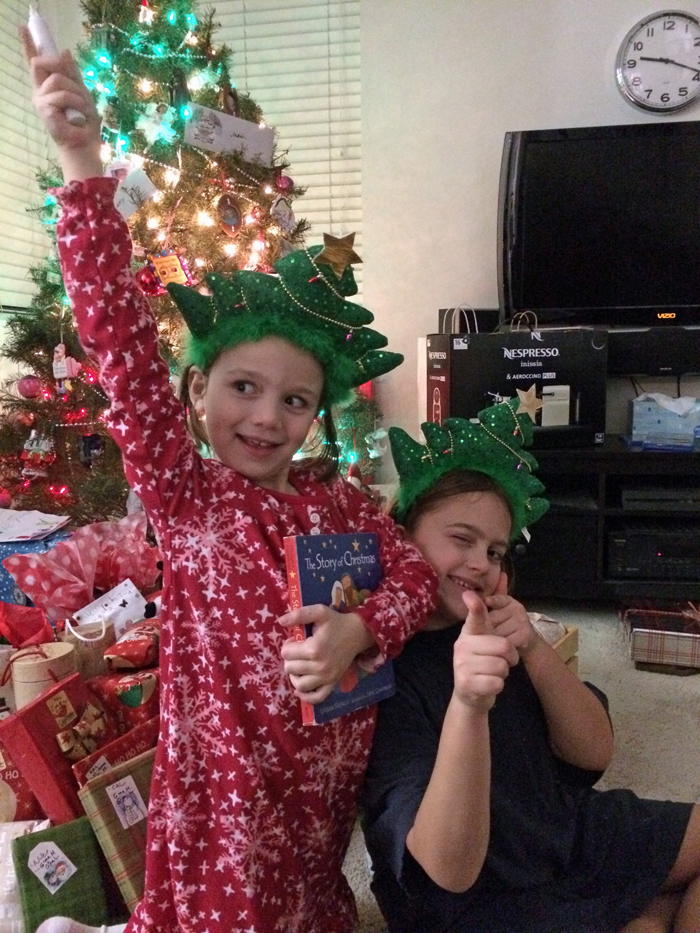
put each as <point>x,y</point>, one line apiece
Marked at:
<point>127,802</point>
<point>123,606</point>
<point>50,865</point>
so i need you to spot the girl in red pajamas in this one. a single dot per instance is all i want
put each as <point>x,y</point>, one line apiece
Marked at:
<point>251,812</point>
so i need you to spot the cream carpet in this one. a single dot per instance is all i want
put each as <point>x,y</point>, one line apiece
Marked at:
<point>656,719</point>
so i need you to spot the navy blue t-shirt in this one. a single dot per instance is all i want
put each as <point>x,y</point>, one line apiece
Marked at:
<point>561,856</point>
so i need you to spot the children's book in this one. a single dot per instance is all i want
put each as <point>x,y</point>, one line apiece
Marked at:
<point>338,571</point>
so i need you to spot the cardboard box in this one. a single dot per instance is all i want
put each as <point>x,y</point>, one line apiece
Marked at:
<point>31,736</point>
<point>567,368</point>
<point>121,749</point>
<point>667,638</point>
<point>567,648</point>
<point>116,803</point>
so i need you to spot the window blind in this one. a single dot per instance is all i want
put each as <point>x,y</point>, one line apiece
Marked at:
<point>300,61</point>
<point>23,149</point>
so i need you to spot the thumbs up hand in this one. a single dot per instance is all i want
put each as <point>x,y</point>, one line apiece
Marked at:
<point>482,658</point>
<point>509,618</point>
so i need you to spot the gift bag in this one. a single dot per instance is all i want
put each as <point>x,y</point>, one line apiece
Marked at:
<point>59,873</point>
<point>89,641</point>
<point>11,919</point>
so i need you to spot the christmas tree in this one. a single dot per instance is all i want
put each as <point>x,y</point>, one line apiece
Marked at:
<point>203,188</point>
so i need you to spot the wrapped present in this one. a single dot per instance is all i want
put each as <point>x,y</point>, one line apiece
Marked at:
<point>37,668</point>
<point>11,918</point>
<point>60,873</point>
<point>96,559</point>
<point>123,748</point>
<point>130,698</point>
<point>116,804</point>
<point>17,802</point>
<point>665,639</point>
<point>10,591</point>
<point>136,649</point>
<point>45,737</point>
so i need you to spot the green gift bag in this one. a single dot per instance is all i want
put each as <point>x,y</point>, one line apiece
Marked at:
<point>59,873</point>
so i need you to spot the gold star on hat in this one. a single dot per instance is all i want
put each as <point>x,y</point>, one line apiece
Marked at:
<point>529,403</point>
<point>338,252</point>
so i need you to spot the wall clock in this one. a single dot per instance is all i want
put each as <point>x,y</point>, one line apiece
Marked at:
<point>658,64</point>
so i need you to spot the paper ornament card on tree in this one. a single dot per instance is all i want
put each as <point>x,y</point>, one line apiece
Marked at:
<point>222,132</point>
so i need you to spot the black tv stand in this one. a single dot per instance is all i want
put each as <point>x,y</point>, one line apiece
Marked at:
<point>569,555</point>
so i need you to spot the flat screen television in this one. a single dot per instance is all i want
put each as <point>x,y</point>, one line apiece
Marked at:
<point>601,225</point>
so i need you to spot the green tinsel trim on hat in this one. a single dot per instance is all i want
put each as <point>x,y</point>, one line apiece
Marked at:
<point>303,303</point>
<point>494,446</point>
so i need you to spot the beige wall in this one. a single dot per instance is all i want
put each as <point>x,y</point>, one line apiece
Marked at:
<point>442,81</point>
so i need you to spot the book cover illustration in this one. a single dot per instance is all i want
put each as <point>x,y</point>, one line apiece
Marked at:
<point>340,571</point>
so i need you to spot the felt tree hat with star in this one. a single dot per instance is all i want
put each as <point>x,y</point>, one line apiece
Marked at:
<point>304,303</point>
<point>494,445</point>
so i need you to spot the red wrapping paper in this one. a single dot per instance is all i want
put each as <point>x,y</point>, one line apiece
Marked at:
<point>30,737</point>
<point>123,748</point>
<point>24,625</point>
<point>131,698</point>
<point>17,802</point>
<point>94,560</point>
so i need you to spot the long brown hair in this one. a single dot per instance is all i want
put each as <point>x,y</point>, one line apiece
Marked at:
<point>324,464</point>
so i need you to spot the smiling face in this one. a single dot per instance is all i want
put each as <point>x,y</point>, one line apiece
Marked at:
<point>259,401</point>
<point>464,538</point>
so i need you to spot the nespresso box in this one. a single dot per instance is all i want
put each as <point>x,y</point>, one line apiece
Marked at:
<point>559,374</point>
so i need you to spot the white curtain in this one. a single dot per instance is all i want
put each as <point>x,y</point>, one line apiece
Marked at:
<point>300,61</point>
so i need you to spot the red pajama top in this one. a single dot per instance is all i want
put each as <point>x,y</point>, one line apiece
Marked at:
<point>251,812</point>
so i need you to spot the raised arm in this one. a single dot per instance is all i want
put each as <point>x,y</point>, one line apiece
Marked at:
<point>450,835</point>
<point>579,728</point>
<point>114,320</point>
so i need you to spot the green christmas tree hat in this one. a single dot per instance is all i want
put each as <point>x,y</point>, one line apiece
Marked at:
<point>493,446</point>
<point>304,303</point>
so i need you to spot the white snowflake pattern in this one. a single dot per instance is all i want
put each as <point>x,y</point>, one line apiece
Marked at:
<point>337,759</point>
<point>253,843</point>
<point>266,674</point>
<point>211,544</point>
<point>182,814</point>
<point>194,727</point>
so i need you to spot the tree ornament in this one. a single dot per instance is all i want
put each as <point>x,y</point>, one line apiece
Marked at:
<point>229,100</point>
<point>281,211</point>
<point>148,281</point>
<point>5,498</point>
<point>169,266</point>
<point>65,368</point>
<point>229,210</point>
<point>38,454</point>
<point>107,107</point>
<point>284,183</point>
<point>23,419</point>
<point>91,448</point>
<point>155,122</point>
<point>29,387</point>
<point>355,475</point>
<point>179,92</point>
<point>146,14</point>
